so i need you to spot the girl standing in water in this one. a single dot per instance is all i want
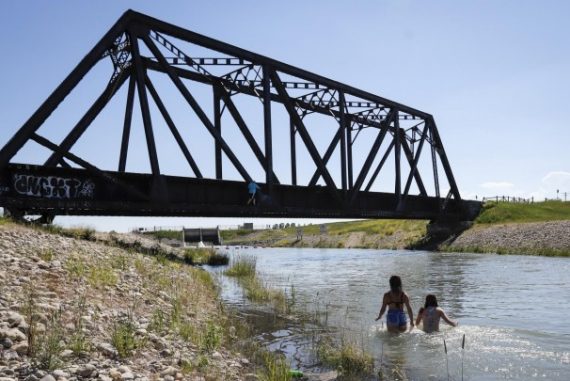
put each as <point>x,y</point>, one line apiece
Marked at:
<point>431,314</point>
<point>395,299</point>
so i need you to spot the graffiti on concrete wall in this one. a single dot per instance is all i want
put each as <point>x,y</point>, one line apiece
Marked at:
<point>53,187</point>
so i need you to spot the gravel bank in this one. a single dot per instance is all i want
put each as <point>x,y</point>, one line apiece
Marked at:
<point>82,300</point>
<point>523,238</point>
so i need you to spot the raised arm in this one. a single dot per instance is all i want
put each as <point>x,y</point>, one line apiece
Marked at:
<point>383,309</point>
<point>447,320</point>
<point>410,312</point>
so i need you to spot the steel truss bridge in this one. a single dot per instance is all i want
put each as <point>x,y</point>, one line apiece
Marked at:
<point>138,44</point>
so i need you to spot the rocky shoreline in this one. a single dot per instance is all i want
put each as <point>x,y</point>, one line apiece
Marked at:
<point>84,310</point>
<point>533,238</point>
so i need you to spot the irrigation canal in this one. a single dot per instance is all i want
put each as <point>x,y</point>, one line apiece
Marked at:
<point>513,310</point>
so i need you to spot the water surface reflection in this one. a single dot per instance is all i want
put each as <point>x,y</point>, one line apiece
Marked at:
<point>513,310</point>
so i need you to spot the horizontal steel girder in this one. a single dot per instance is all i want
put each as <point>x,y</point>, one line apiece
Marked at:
<point>69,191</point>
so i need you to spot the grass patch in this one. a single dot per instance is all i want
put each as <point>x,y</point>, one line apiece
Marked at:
<point>85,233</point>
<point>228,235</point>
<point>205,256</point>
<point>76,268</point>
<point>505,212</point>
<point>46,255</point>
<point>347,358</point>
<point>167,234</point>
<point>275,368</point>
<point>242,267</point>
<point>103,276</point>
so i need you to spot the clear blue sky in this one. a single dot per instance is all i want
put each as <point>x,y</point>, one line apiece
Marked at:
<point>495,75</point>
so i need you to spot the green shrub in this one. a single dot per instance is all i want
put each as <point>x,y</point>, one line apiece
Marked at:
<point>123,337</point>
<point>275,368</point>
<point>212,338</point>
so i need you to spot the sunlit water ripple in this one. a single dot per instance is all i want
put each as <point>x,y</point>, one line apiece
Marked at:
<point>513,310</point>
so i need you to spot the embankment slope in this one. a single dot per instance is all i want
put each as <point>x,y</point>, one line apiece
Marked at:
<point>506,228</point>
<point>74,309</point>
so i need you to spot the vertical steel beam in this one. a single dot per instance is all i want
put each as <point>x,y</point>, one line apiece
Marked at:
<point>397,151</point>
<point>196,107</point>
<point>86,120</point>
<point>434,162</point>
<point>349,161</point>
<point>218,126</point>
<point>127,124</point>
<point>172,127</point>
<point>305,135</point>
<point>445,163</point>
<point>59,94</point>
<point>267,130</point>
<point>143,101</point>
<point>342,122</point>
<point>293,152</point>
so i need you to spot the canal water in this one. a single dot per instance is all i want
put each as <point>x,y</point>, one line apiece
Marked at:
<point>513,310</point>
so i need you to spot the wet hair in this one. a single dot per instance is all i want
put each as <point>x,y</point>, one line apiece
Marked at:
<point>395,283</point>
<point>431,301</point>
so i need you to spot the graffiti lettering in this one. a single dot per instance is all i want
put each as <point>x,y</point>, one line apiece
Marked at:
<point>52,187</point>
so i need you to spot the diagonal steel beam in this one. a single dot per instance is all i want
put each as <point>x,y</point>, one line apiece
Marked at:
<point>86,120</point>
<point>127,125</point>
<point>196,107</point>
<point>172,127</point>
<point>327,156</point>
<point>410,158</point>
<point>380,165</point>
<point>371,156</point>
<point>304,135</point>
<point>150,64</point>
<point>59,94</point>
<point>143,101</point>
<point>234,112</point>
<point>414,165</point>
<point>90,167</point>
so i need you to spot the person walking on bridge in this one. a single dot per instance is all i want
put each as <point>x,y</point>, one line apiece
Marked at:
<point>394,300</point>
<point>252,188</point>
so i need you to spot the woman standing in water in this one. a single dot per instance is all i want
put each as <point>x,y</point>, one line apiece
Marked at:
<point>431,314</point>
<point>395,299</point>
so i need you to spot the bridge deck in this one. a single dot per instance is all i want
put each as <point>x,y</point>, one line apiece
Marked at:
<point>69,191</point>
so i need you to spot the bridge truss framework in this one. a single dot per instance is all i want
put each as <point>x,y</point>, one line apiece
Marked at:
<point>57,187</point>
